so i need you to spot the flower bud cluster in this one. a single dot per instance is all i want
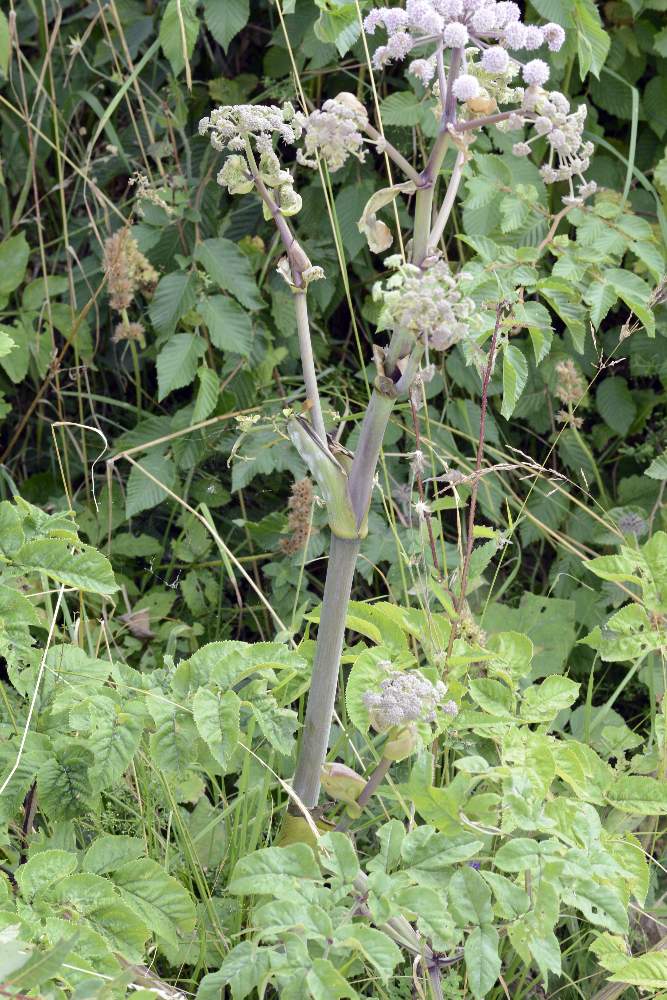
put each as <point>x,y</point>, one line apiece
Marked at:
<point>452,24</point>
<point>405,697</point>
<point>429,304</point>
<point>246,129</point>
<point>333,132</point>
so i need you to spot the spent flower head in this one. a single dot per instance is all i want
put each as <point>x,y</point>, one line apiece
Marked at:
<point>127,269</point>
<point>570,385</point>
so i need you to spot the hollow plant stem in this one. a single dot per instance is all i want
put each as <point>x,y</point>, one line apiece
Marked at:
<point>321,697</point>
<point>308,363</point>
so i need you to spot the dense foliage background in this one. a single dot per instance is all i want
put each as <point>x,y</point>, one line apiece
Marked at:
<point>154,412</point>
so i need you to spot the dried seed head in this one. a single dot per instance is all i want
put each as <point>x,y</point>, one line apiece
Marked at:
<point>570,386</point>
<point>127,269</point>
<point>300,505</point>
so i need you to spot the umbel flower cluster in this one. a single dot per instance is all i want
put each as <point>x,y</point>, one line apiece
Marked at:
<point>248,131</point>
<point>452,24</point>
<point>427,304</point>
<point>406,697</point>
<point>334,132</point>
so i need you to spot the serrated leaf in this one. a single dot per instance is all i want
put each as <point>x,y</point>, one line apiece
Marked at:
<point>44,870</point>
<point>401,108</point>
<point>111,851</point>
<point>592,40</point>
<point>142,492</point>
<point>225,20</point>
<point>259,872</point>
<point>207,394</point>
<point>173,297</point>
<point>82,566</point>
<point>230,269</point>
<point>542,702</point>
<point>156,897</point>
<point>63,783</point>
<point>177,362</point>
<point>216,716</point>
<point>229,325</point>
<point>515,376</point>
<point>114,739</point>
<point>616,405</point>
<point>470,898</point>
<point>635,293</point>
<point>179,28</point>
<point>638,795</point>
<point>600,297</point>
<point>658,467</point>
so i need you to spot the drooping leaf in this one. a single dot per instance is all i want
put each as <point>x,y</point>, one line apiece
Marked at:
<point>179,28</point>
<point>82,567</point>
<point>177,362</point>
<point>230,269</point>
<point>14,253</point>
<point>515,376</point>
<point>225,20</point>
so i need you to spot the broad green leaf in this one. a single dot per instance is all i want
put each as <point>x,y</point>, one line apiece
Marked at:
<point>542,702</point>
<point>592,40</point>
<point>82,567</point>
<point>326,983</point>
<point>114,739</point>
<point>338,856</point>
<point>216,716</point>
<point>173,298</point>
<point>243,968</point>
<point>375,947</point>
<point>63,783</point>
<point>600,297</point>
<point>636,294</point>
<point>42,966</point>
<point>157,898</point>
<point>179,28</point>
<point>426,850</point>
<point>122,928</point>
<point>44,870</point>
<point>482,959</point>
<point>229,324</point>
<point>493,696</point>
<point>616,405</point>
<point>648,972</point>
<point>257,873</point>
<point>340,25</point>
<point>83,892</point>
<point>516,855</point>
<point>142,492</point>
<point>111,851</point>
<point>225,20</point>
<point>658,467</point>
<point>207,394</point>
<point>603,905</point>
<point>177,362</point>
<point>470,898</point>
<point>401,108</point>
<point>515,376</point>
<point>14,253</point>
<point>230,269</point>
<point>639,796</point>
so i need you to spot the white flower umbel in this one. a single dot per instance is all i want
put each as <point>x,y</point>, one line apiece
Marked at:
<point>333,132</point>
<point>427,304</point>
<point>406,697</point>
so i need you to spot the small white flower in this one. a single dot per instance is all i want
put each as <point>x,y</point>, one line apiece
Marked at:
<point>495,60</point>
<point>554,36</point>
<point>536,73</point>
<point>455,35</point>
<point>533,37</point>
<point>466,87</point>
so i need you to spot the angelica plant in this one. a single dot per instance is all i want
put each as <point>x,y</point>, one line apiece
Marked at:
<point>475,59</point>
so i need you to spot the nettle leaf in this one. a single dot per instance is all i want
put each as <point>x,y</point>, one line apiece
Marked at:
<point>14,254</point>
<point>157,898</point>
<point>173,298</point>
<point>177,362</point>
<point>142,492</point>
<point>658,468</point>
<point>229,325</point>
<point>178,32</point>
<point>402,108</point>
<point>636,294</point>
<point>515,376</point>
<point>230,269</point>
<point>482,959</point>
<point>616,405</point>
<point>216,716</point>
<point>600,297</point>
<point>225,20</point>
<point>592,40</point>
<point>82,567</point>
<point>44,870</point>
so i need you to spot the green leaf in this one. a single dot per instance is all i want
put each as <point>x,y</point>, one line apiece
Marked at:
<point>63,783</point>
<point>142,492</point>
<point>177,362</point>
<point>114,739</point>
<point>14,253</point>
<point>225,20</point>
<point>401,108</point>
<point>82,566</point>
<point>230,269</point>
<point>178,32</point>
<point>638,796</point>
<point>375,947</point>
<point>469,898</point>
<point>542,702</point>
<point>339,25</point>
<point>636,294</point>
<point>207,394</point>
<point>648,972</point>
<point>660,43</point>
<point>600,297</point>
<point>111,851</point>
<point>592,40</point>
<point>493,697</point>
<point>5,46</point>
<point>339,856</point>
<point>515,376</point>
<point>216,716</point>
<point>616,405</point>
<point>156,897</point>
<point>326,983</point>
<point>173,298</point>
<point>658,467</point>
<point>482,959</point>
<point>259,872</point>
<point>42,966</point>
<point>229,325</point>
<point>43,871</point>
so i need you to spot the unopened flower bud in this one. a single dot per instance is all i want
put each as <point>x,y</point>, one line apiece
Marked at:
<point>401,743</point>
<point>343,784</point>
